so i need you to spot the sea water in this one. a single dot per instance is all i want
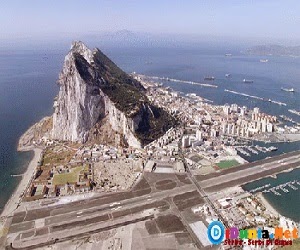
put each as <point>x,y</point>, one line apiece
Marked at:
<point>28,86</point>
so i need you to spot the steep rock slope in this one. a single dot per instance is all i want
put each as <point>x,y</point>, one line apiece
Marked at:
<point>92,88</point>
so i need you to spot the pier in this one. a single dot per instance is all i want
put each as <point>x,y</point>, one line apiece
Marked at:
<point>243,152</point>
<point>255,97</point>
<point>254,149</point>
<point>283,187</point>
<point>260,188</point>
<point>184,81</point>
<point>16,175</point>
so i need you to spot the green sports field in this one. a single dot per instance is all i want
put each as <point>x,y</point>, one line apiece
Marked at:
<point>61,179</point>
<point>227,164</point>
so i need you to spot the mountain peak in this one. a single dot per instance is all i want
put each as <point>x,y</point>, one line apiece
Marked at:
<point>80,48</point>
<point>93,89</point>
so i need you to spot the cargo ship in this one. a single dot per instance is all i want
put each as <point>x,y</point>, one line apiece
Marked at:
<point>209,78</point>
<point>247,81</point>
<point>288,90</point>
<point>263,60</point>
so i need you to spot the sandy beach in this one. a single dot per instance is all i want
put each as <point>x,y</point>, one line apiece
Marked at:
<point>14,200</point>
<point>268,206</point>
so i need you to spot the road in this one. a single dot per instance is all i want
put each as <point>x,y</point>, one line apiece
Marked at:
<point>37,224</point>
<point>40,225</point>
<point>199,188</point>
<point>249,172</point>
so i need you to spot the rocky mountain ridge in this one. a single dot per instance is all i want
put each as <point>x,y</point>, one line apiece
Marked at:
<point>92,88</point>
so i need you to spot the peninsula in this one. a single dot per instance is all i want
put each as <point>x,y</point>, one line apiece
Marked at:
<point>125,162</point>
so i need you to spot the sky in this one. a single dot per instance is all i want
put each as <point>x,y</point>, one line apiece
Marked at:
<point>261,19</point>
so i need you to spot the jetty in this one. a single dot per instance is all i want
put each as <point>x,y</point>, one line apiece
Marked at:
<point>184,81</point>
<point>283,187</point>
<point>255,97</point>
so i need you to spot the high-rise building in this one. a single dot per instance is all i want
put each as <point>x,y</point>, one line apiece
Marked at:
<point>248,133</point>
<point>233,131</point>
<point>270,127</point>
<point>224,128</point>
<point>243,112</point>
<point>234,107</point>
<point>258,126</point>
<point>199,135</point>
<point>256,110</point>
<point>226,109</point>
<point>242,132</point>
<point>213,133</point>
<point>263,126</point>
<point>229,129</point>
<point>185,142</point>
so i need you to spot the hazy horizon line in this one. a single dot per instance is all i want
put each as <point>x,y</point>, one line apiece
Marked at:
<point>130,36</point>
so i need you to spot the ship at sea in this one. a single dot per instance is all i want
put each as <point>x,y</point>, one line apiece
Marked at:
<point>209,78</point>
<point>263,60</point>
<point>227,75</point>
<point>288,90</point>
<point>272,148</point>
<point>247,81</point>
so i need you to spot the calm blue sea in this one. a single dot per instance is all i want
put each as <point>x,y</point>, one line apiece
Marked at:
<point>28,86</point>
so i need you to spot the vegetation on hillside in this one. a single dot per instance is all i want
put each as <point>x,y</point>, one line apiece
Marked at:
<point>157,122</point>
<point>127,94</point>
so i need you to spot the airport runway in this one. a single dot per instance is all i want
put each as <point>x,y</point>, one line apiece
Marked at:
<point>240,175</point>
<point>36,224</point>
<point>44,225</point>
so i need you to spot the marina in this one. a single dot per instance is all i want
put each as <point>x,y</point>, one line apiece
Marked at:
<point>253,151</point>
<point>285,188</point>
<point>260,188</point>
<point>261,149</point>
<point>248,150</point>
<point>288,119</point>
<point>242,151</point>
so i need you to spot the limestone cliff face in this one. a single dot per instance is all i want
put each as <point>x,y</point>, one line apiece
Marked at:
<point>93,87</point>
<point>78,106</point>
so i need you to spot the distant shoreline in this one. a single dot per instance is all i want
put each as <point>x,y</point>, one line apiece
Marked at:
<point>15,199</point>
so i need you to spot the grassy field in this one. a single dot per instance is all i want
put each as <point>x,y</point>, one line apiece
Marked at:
<point>227,164</point>
<point>57,155</point>
<point>60,179</point>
